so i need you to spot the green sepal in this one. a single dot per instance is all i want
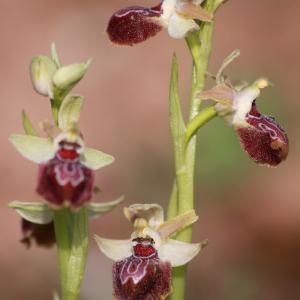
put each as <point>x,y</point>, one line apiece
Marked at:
<point>34,148</point>
<point>95,159</point>
<point>27,125</point>
<point>69,112</point>
<point>97,209</point>
<point>38,213</point>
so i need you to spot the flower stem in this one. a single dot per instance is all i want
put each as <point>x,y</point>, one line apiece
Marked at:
<point>72,243</point>
<point>200,44</point>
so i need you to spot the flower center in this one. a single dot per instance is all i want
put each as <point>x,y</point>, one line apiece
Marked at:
<point>68,151</point>
<point>144,247</point>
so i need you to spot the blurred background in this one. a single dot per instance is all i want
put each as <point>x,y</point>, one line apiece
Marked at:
<point>250,214</point>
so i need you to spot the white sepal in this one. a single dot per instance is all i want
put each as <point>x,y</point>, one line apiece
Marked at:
<point>178,253</point>
<point>37,213</point>
<point>36,149</point>
<point>114,249</point>
<point>95,159</point>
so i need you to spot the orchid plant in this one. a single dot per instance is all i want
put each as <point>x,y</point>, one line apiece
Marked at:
<point>66,172</point>
<point>152,263</point>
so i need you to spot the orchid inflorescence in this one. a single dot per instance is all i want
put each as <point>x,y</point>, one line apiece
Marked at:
<point>66,166</point>
<point>145,263</point>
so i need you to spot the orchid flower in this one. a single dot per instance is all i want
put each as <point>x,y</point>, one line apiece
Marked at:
<point>66,172</point>
<point>142,264</point>
<point>260,136</point>
<point>136,24</point>
<point>66,167</point>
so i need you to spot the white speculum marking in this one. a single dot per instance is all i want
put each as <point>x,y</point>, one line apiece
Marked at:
<point>124,14</point>
<point>129,271</point>
<point>265,128</point>
<point>68,172</point>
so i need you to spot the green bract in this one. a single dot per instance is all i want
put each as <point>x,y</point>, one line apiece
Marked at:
<point>27,125</point>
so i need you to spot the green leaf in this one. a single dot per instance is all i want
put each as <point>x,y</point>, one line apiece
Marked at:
<point>34,148</point>
<point>38,213</point>
<point>69,112</point>
<point>176,119</point>
<point>95,159</point>
<point>27,125</point>
<point>97,209</point>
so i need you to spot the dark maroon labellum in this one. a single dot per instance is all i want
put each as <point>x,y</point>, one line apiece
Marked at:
<point>64,178</point>
<point>43,234</point>
<point>134,24</point>
<point>142,276</point>
<point>265,141</point>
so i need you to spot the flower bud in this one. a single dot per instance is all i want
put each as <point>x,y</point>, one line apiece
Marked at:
<point>42,69</point>
<point>66,77</point>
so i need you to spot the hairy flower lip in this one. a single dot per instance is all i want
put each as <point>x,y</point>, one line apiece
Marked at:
<point>135,24</point>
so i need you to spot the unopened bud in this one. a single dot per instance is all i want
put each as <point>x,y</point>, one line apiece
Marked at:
<point>66,77</point>
<point>42,69</point>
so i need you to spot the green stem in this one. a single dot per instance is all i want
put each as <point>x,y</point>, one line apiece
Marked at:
<point>173,202</point>
<point>55,105</point>
<point>201,119</point>
<point>200,44</point>
<point>72,242</point>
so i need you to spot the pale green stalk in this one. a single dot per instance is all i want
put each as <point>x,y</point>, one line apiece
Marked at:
<point>182,197</point>
<point>72,244</point>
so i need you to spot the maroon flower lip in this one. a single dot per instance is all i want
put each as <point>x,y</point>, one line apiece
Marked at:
<point>265,140</point>
<point>133,25</point>
<point>65,178</point>
<point>142,275</point>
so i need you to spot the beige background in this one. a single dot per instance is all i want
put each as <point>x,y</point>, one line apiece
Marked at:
<point>250,214</point>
